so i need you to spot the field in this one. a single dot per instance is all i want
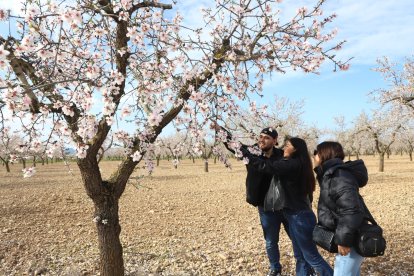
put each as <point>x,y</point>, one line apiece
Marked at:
<point>177,222</point>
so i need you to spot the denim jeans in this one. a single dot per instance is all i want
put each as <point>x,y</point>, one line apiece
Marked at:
<point>301,224</point>
<point>271,222</point>
<point>348,265</point>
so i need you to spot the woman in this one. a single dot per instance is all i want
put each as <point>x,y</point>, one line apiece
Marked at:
<point>339,207</point>
<point>296,176</point>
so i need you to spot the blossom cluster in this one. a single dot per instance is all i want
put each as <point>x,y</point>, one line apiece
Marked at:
<point>86,69</point>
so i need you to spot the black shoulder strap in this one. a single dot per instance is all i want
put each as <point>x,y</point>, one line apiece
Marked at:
<point>369,217</point>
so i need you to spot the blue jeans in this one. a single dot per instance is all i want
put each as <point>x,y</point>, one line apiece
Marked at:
<point>271,222</point>
<point>348,265</point>
<point>301,224</point>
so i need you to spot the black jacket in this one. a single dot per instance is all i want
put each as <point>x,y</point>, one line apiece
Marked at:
<point>340,207</point>
<point>289,173</point>
<point>257,183</point>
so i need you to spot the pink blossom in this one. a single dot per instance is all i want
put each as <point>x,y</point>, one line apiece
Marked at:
<point>344,67</point>
<point>81,151</point>
<point>29,172</point>
<point>3,15</point>
<point>154,119</point>
<point>3,53</point>
<point>136,157</point>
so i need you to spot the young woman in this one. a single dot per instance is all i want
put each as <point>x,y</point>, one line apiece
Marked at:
<point>339,207</point>
<point>296,176</point>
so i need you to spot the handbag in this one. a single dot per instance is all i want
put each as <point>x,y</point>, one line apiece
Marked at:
<point>324,238</point>
<point>370,241</point>
<point>275,196</point>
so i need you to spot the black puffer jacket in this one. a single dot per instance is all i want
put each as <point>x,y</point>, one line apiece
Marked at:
<point>339,206</point>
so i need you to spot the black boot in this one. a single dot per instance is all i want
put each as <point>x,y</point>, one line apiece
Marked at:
<point>274,272</point>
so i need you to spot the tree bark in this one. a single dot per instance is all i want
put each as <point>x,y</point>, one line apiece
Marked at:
<point>381,162</point>
<point>7,166</point>
<point>411,155</point>
<point>109,229</point>
<point>205,165</point>
<point>105,196</point>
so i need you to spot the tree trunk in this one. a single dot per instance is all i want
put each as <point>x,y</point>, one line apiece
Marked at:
<point>381,162</point>
<point>193,159</point>
<point>215,159</point>
<point>34,161</point>
<point>357,156</point>
<point>205,165</point>
<point>24,163</point>
<point>7,166</point>
<point>158,161</point>
<point>110,248</point>
<point>411,155</point>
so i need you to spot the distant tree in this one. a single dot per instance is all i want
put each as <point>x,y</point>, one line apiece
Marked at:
<point>352,139</point>
<point>400,78</point>
<point>176,147</point>
<point>406,139</point>
<point>281,114</point>
<point>382,129</point>
<point>9,144</point>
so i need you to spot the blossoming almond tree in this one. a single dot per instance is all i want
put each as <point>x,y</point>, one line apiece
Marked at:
<point>382,129</point>
<point>9,142</point>
<point>401,83</point>
<point>77,71</point>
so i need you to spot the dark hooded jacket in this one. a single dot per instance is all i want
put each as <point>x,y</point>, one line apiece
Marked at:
<point>340,206</point>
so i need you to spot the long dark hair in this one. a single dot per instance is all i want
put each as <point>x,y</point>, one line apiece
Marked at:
<point>301,152</point>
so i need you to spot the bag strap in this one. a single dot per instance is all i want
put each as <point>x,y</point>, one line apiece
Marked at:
<point>369,217</point>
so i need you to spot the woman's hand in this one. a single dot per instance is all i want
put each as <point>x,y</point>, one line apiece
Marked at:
<point>343,250</point>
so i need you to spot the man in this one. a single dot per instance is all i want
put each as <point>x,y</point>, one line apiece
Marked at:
<point>257,185</point>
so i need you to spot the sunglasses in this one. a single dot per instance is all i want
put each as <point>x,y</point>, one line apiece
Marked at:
<point>315,152</point>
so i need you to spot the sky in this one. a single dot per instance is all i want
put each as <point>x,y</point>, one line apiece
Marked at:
<point>373,29</point>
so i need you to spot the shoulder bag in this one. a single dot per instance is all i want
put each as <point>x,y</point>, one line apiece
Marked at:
<point>370,241</point>
<point>324,238</point>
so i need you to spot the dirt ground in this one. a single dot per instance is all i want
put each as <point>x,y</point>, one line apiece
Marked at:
<point>177,222</point>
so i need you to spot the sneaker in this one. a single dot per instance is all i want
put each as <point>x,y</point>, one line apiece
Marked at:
<point>274,272</point>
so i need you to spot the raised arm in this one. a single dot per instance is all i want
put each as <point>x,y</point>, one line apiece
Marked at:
<point>278,167</point>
